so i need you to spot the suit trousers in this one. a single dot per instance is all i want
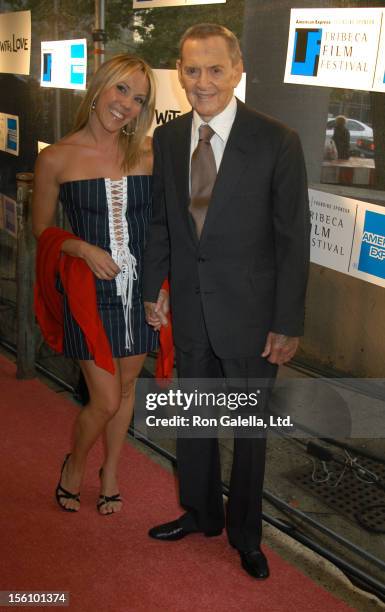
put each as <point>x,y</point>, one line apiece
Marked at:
<point>199,469</point>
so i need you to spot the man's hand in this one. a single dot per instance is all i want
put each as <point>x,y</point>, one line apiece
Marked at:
<point>279,349</point>
<point>156,312</point>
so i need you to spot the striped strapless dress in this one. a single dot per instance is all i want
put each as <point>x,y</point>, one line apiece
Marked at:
<point>113,215</point>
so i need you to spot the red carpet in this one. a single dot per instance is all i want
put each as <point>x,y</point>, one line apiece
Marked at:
<point>109,564</point>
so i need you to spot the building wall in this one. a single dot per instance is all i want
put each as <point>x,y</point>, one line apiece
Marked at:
<point>345,321</point>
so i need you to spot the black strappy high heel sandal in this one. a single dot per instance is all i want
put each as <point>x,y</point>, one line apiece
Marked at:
<point>61,493</point>
<point>105,499</point>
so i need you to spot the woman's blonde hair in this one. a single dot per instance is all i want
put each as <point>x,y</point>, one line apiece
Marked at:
<point>109,74</point>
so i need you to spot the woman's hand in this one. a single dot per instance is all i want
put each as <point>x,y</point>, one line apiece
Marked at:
<point>99,261</point>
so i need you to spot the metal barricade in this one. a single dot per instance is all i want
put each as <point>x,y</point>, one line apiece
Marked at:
<point>25,257</point>
<point>17,257</point>
<point>18,330</point>
<point>8,233</point>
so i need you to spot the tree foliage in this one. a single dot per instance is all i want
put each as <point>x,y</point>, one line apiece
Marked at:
<point>160,29</point>
<point>152,33</point>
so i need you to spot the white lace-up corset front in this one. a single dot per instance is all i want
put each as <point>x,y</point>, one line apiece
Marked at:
<point>116,192</point>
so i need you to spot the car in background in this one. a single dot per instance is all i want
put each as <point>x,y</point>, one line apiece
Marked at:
<point>364,147</point>
<point>361,136</point>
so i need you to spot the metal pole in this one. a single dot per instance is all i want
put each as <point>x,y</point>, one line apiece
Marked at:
<point>58,113</point>
<point>298,514</point>
<point>57,118</point>
<point>364,580</point>
<point>24,279</point>
<point>99,33</point>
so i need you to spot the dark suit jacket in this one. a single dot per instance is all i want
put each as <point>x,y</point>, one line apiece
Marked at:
<point>248,272</point>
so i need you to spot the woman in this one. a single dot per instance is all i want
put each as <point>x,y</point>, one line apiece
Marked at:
<point>101,172</point>
<point>341,137</point>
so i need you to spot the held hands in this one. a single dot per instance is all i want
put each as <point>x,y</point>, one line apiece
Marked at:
<point>279,349</point>
<point>156,312</point>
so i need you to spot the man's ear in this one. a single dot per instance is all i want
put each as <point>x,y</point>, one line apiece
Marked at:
<point>238,70</point>
<point>179,69</point>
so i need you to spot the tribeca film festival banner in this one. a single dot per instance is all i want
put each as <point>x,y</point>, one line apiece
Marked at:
<point>15,42</point>
<point>161,3</point>
<point>337,48</point>
<point>171,100</point>
<point>9,133</point>
<point>348,236</point>
<point>64,64</point>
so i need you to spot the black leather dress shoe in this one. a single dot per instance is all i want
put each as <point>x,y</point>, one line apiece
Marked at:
<point>175,530</point>
<point>255,564</point>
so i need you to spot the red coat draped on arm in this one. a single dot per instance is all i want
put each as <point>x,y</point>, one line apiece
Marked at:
<point>79,285</point>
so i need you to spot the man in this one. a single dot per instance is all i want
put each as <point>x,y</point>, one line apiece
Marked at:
<point>231,230</point>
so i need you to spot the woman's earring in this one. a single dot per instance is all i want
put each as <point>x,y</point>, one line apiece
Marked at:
<point>129,132</point>
<point>93,105</point>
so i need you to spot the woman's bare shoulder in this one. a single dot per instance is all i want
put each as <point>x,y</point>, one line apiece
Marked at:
<point>49,159</point>
<point>61,156</point>
<point>59,150</point>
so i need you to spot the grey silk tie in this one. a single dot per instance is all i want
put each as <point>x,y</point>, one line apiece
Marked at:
<point>203,176</point>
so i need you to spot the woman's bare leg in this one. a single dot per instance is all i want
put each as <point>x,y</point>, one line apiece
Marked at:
<point>105,398</point>
<point>116,429</point>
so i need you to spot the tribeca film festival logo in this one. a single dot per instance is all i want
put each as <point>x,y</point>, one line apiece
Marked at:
<point>307,44</point>
<point>372,254</point>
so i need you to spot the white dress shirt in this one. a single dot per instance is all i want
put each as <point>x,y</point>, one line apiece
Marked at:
<point>221,124</point>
